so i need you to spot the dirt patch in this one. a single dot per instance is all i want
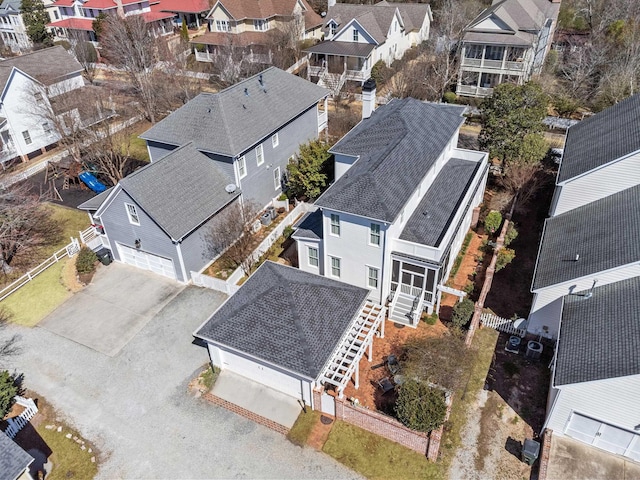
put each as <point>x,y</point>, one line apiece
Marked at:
<point>320,433</point>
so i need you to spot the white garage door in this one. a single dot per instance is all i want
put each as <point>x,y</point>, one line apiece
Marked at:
<point>261,374</point>
<point>604,436</point>
<point>147,261</point>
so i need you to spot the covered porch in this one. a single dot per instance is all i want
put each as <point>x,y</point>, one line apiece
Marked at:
<point>352,60</point>
<point>248,47</point>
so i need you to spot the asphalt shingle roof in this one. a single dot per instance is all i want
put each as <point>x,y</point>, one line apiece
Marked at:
<point>95,202</point>
<point>46,66</point>
<point>603,138</point>
<point>430,221</point>
<point>396,146</point>
<point>600,336</point>
<point>235,119</point>
<point>603,233</point>
<point>349,49</point>
<point>13,459</point>
<point>309,226</point>
<point>287,317</point>
<point>180,191</point>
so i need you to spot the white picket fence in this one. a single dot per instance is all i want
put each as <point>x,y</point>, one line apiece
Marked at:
<point>229,286</point>
<point>70,250</point>
<point>501,324</point>
<point>15,424</point>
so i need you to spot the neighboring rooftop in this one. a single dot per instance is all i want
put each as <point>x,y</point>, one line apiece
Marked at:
<point>396,147</point>
<point>13,459</point>
<point>180,191</point>
<point>603,138</point>
<point>600,336</point>
<point>95,202</point>
<point>263,9</point>
<point>47,66</point>
<point>235,119</point>
<point>185,6</point>
<point>603,233</point>
<point>309,226</point>
<point>431,219</point>
<point>287,317</point>
<point>10,7</point>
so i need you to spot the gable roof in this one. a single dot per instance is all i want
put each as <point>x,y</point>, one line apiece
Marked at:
<point>287,317</point>
<point>601,139</point>
<point>396,147</point>
<point>47,65</point>
<point>603,233</point>
<point>235,119</point>
<point>431,219</point>
<point>10,7</point>
<point>180,191</point>
<point>600,336</point>
<point>13,459</point>
<point>309,226</point>
<point>94,203</point>
<point>185,6</point>
<point>263,9</point>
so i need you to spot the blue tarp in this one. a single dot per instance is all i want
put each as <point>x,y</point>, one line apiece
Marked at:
<point>92,182</point>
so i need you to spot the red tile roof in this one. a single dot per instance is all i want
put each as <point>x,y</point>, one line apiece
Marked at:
<point>185,6</point>
<point>74,24</point>
<point>63,3</point>
<point>106,4</point>
<point>155,15</point>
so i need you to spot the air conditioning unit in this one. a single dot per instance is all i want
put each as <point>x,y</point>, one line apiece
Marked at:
<point>257,225</point>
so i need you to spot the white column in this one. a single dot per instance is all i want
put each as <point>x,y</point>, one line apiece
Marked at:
<point>370,351</point>
<point>357,375</point>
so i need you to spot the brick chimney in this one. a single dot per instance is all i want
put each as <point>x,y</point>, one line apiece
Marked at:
<point>368,98</point>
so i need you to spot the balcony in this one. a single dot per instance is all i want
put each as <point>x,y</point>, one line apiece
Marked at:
<point>493,64</point>
<point>7,153</point>
<point>474,91</point>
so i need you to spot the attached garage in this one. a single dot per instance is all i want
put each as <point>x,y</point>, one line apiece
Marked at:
<point>147,261</point>
<point>604,436</point>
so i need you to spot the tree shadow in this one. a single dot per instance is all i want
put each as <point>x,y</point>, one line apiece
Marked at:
<point>513,446</point>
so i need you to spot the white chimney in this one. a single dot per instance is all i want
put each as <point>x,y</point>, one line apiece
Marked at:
<point>368,98</point>
<point>330,3</point>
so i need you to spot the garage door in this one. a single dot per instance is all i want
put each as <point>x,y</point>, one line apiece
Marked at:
<point>146,261</point>
<point>262,374</point>
<point>602,435</point>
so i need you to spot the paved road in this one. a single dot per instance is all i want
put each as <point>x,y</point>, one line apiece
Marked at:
<point>136,410</point>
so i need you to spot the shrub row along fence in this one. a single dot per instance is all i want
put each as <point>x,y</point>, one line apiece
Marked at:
<point>15,424</point>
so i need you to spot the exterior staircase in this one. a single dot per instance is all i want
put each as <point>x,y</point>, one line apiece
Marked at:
<point>405,309</point>
<point>333,81</point>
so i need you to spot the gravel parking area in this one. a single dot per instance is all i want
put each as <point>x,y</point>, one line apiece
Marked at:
<point>135,408</point>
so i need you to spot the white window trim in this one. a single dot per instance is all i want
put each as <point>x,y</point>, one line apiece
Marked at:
<point>223,26</point>
<point>331,259</point>
<point>317,258</point>
<point>242,161</point>
<point>259,157</point>
<point>356,35</point>
<point>131,211</point>
<point>331,225</point>
<point>261,25</point>
<point>371,234</point>
<point>27,138</point>
<point>377,270</point>
<point>275,140</point>
<point>277,183</point>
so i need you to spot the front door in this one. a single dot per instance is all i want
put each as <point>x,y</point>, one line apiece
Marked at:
<point>412,283</point>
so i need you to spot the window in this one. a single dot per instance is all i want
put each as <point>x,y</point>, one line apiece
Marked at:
<point>355,35</point>
<point>335,224</point>
<point>47,128</point>
<point>242,167</point>
<point>27,137</point>
<point>493,52</point>
<point>55,14</point>
<point>259,155</point>
<point>132,213</point>
<point>275,141</point>
<point>261,25</point>
<point>372,277</point>
<point>333,29</point>
<point>335,267</point>
<point>473,51</point>
<point>374,234</point>
<point>313,256</point>
<point>223,26</point>
<point>276,178</point>
<point>38,97</point>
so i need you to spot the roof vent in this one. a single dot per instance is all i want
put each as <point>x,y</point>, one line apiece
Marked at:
<point>246,91</point>
<point>260,80</point>
<point>230,188</point>
<point>577,257</point>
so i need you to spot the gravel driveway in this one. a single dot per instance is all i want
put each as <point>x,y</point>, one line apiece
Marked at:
<point>136,410</point>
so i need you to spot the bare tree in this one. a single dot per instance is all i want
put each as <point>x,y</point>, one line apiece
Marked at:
<point>85,53</point>
<point>232,235</point>
<point>8,346</point>
<point>107,149</point>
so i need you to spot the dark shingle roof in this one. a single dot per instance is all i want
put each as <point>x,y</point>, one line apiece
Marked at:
<point>231,121</point>
<point>349,49</point>
<point>287,317</point>
<point>95,202</point>
<point>397,146</point>
<point>430,221</point>
<point>309,226</point>
<point>604,233</point>
<point>46,66</point>
<point>600,336</point>
<point>180,191</point>
<point>13,459</point>
<point>603,138</point>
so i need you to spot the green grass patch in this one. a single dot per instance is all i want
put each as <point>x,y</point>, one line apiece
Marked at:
<point>376,457</point>
<point>71,222</point>
<point>69,460</point>
<point>301,430</point>
<point>138,148</point>
<point>34,301</point>
<point>209,376</point>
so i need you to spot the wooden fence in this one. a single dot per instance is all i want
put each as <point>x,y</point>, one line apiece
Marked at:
<point>15,424</point>
<point>501,324</point>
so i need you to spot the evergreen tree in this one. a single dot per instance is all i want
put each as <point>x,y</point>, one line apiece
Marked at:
<point>35,18</point>
<point>309,174</point>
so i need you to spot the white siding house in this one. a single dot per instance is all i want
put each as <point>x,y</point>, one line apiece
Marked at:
<point>12,29</point>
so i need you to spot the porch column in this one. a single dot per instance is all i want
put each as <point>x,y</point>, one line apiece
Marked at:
<point>345,64</point>
<point>197,20</point>
<point>504,60</point>
<point>357,376</point>
<point>484,50</point>
<point>382,328</point>
<point>479,79</point>
<point>370,350</point>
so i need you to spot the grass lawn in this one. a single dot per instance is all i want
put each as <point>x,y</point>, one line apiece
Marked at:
<point>71,220</point>
<point>301,430</point>
<point>38,298</point>
<point>137,146</point>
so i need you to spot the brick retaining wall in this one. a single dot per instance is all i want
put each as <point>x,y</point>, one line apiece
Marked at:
<point>544,455</point>
<point>254,417</point>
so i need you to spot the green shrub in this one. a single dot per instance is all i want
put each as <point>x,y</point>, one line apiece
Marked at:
<point>287,232</point>
<point>8,390</point>
<point>86,261</point>
<point>462,312</point>
<point>469,288</point>
<point>511,234</point>
<point>492,221</point>
<point>64,44</point>
<point>505,257</point>
<point>420,407</point>
<point>565,105</point>
<point>430,319</point>
<point>381,73</point>
<point>283,197</point>
<point>199,47</point>
<point>449,97</point>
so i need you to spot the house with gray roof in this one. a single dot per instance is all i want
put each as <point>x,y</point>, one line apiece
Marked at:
<point>293,331</point>
<point>29,84</point>
<point>12,29</point>
<point>359,36</point>
<point>507,43</point>
<point>396,216</point>
<point>14,461</point>
<point>160,217</point>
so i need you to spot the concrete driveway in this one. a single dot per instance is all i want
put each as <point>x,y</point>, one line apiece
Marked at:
<point>117,304</point>
<point>136,410</point>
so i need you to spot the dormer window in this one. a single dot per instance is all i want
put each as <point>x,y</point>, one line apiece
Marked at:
<point>223,26</point>
<point>333,28</point>
<point>261,25</point>
<point>355,35</point>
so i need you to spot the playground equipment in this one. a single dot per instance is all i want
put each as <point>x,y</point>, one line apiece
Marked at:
<point>92,182</point>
